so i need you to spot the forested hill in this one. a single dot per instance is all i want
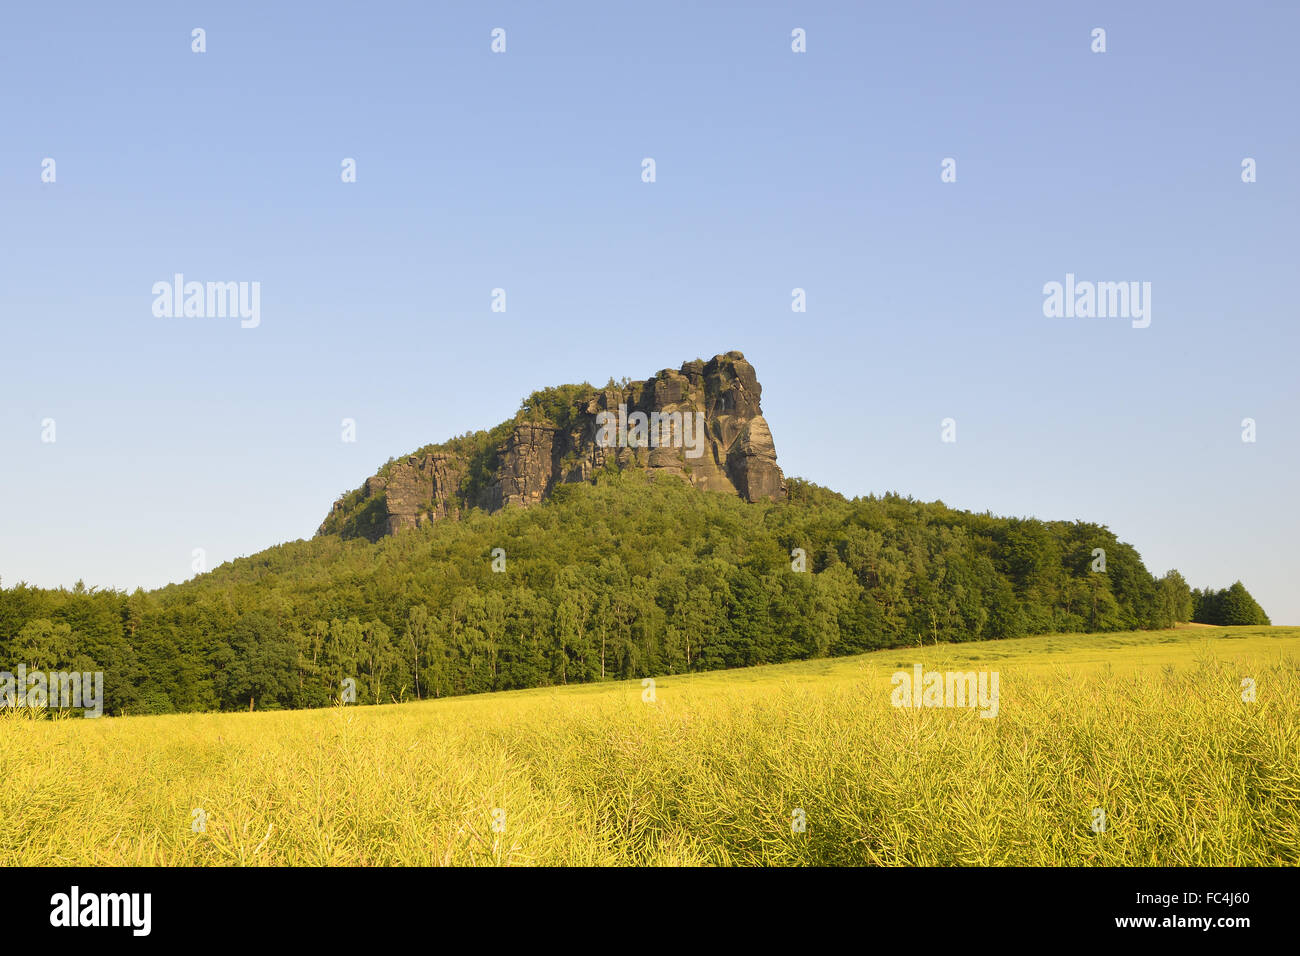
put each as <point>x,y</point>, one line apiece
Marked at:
<point>631,576</point>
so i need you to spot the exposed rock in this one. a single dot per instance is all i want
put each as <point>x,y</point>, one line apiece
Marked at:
<point>529,467</point>
<point>702,423</point>
<point>418,489</point>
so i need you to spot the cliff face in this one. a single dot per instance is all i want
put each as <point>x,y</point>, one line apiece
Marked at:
<point>701,423</point>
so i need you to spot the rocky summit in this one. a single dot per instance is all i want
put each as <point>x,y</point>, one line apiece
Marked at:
<point>702,423</point>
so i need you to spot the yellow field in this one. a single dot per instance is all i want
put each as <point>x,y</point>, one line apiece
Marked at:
<point>1148,727</point>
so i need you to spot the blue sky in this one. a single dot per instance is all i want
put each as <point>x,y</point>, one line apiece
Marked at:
<point>522,171</point>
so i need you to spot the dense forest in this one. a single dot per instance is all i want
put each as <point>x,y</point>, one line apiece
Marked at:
<point>627,577</point>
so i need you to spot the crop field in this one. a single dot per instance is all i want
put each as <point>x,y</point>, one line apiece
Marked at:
<point>1177,747</point>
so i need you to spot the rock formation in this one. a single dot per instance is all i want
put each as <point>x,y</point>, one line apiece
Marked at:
<point>701,423</point>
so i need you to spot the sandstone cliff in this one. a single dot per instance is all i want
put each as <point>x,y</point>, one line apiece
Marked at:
<point>701,423</point>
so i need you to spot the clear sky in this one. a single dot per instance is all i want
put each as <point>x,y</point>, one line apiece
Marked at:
<point>523,170</point>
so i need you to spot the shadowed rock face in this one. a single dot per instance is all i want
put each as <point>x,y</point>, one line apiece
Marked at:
<point>731,450</point>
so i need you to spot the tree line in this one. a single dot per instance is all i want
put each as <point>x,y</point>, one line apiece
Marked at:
<point>630,577</point>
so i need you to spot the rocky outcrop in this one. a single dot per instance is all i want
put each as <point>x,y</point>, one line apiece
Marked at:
<point>702,423</point>
<point>417,489</point>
